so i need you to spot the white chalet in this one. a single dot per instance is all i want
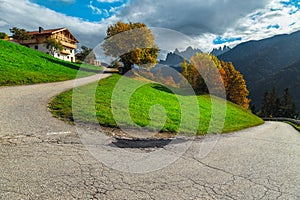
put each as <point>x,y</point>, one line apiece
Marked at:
<point>62,35</point>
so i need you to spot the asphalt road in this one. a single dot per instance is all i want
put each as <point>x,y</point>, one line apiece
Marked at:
<point>44,158</point>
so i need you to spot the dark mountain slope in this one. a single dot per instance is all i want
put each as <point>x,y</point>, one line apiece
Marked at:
<point>257,60</point>
<point>288,77</point>
<point>266,63</point>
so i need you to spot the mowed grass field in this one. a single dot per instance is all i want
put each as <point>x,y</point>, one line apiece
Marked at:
<point>20,65</point>
<point>124,102</point>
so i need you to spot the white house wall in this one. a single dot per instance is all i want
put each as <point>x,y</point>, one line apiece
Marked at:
<point>42,48</point>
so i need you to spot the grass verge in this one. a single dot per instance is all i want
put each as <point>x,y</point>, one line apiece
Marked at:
<point>293,125</point>
<point>181,113</point>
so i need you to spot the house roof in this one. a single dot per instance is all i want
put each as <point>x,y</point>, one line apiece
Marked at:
<point>51,31</point>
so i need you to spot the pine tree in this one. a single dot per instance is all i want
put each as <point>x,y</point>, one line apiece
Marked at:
<point>274,102</point>
<point>265,109</point>
<point>272,106</point>
<point>288,107</point>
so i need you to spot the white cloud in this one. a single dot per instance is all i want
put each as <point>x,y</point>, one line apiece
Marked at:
<point>248,29</point>
<point>192,17</point>
<point>96,11</point>
<point>205,20</point>
<point>3,23</point>
<point>24,14</point>
<point>202,20</point>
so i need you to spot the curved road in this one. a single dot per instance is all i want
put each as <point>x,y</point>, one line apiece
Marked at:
<point>43,158</point>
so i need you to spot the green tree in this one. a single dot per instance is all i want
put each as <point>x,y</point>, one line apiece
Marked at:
<point>86,55</point>
<point>270,104</point>
<point>53,46</point>
<point>274,103</point>
<point>131,43</point>
<point>265,109</point>
<point>3,36</point>
<point>20,34</point>
<point>273,106</point>
<point>288,106</point>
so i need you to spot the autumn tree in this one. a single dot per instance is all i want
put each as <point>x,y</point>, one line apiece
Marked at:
<point>235,85</point>
<point>202,74</point>
<point>193,77</point>
<point>20,34</point>
<point>131,43</point>
<point>53,46</point>
<point>3,36</point>
<point>205,69</point>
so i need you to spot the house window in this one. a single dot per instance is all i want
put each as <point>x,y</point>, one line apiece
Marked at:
<point>58,55</point>
<point>68,57</point>
<point>36,47</point>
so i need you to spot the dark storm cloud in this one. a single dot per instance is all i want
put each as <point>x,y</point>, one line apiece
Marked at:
<point>192,17</point>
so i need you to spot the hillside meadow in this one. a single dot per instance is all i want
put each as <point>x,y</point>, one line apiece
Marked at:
<point>20,65</point>
<point>150,106</point>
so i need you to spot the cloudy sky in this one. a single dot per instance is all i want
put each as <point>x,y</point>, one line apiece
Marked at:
<point>210,23</point>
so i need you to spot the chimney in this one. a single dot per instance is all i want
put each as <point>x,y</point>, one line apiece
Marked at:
<point>41,29</point>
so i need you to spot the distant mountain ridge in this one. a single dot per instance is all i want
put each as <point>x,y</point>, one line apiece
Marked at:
<point>288,77</point>
<point>174,59</point>
<point>188,53</point>
<point>269,62</point>
<point>220,50</point>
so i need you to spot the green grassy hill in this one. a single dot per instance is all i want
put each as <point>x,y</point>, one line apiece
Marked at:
<point>181,113</point>
<point>21,65</point>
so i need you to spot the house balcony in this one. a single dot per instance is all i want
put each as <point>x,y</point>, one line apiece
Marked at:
<point>66,52</point>
<point>67,44</point>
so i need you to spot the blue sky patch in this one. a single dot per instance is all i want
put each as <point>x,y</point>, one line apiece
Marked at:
<point>292,3</point>
<point>288,3</point>
<point>93,10</point>
<point>220,40</point>
<point>276,26</point>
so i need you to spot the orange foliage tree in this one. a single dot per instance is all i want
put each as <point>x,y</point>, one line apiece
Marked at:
<point>235,85</point>
<point>207,70</point>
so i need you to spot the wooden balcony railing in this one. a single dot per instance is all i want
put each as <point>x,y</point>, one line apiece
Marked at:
<point>67,52</point>
<point>66,44</point>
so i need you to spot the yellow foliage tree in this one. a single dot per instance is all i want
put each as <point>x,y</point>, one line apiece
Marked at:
<point>132,43</point>
<point>202,74</point>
